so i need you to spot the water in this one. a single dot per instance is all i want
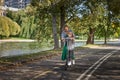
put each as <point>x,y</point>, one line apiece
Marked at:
<point>80,43</point>
<point>20,48</point>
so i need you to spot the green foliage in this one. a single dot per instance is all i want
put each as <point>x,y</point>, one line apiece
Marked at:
<point>114,6</point>
<point>26,19</point>
<point>34,24</point>
<point>36,20</point>
<point>8,27</point>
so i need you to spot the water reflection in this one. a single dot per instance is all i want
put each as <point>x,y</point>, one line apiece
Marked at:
<point>19,48</point>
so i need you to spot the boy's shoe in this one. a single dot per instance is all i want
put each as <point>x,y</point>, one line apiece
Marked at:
<point>73,61</point>
<point>69,63</point>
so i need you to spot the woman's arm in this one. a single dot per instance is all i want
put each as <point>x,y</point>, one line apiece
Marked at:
<point>63,36</point>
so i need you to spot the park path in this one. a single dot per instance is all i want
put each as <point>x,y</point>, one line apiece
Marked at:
<point>52,69</point>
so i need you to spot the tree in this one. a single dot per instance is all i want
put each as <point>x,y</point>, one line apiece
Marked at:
<point>67,10</point>
<point>105,18</point>
<point>8,27</point>
<point>91,19</point>
<point>54,27</point>
<point>48,8</point>
<point>1,3</point>
<point>114,6</point>
<point>26,19</point>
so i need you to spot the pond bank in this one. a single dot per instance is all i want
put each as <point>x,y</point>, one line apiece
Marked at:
<point>17,40</point>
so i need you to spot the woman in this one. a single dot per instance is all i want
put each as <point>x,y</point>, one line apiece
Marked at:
<point>68,38</point>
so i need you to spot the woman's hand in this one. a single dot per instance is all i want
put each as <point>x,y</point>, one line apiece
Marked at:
<point>72,38</point>
<point>63,40</point>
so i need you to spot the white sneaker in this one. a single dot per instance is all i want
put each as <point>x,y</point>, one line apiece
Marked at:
<point>73,61</point>
<point>69,63</point>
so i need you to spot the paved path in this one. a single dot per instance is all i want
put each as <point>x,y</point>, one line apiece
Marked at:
<point>96,63</point>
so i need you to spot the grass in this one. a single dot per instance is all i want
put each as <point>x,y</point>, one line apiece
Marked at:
<point>9,62</point>
<point>27,57</point>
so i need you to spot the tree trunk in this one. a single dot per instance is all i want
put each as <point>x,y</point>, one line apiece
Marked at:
<point>105,41</point>
<point>90,39</point>
<point>62,22</point>
<point>54,27</point>
<point>0,36</point>
<point>108,26</point>
<point>108,23</point>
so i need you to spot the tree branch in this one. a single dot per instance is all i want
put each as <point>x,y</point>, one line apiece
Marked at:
<point>69,19</point>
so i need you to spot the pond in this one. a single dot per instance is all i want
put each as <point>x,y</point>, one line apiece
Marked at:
<point>20,48</point>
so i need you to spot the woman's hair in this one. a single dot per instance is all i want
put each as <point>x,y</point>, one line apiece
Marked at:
<point>65,27</point>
